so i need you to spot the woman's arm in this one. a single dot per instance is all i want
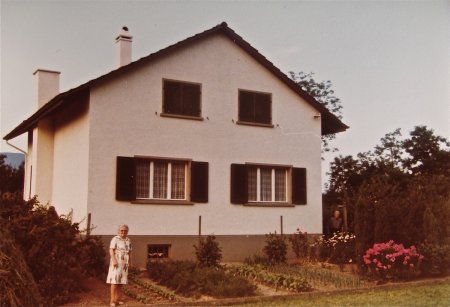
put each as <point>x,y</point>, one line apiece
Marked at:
<point>113,257</point>
<point>130,262</point>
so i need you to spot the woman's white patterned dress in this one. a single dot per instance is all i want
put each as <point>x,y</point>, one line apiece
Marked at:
<point>119,274</point>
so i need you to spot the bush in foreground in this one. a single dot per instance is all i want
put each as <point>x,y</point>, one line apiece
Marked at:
<point>58,256</point>
<point>275,248</point>
<point>338,249</point>
<point>391,260</point>
<point>208,252</point>
<point>299,243</point>
<point>17,285</point>
<point>188,278</point>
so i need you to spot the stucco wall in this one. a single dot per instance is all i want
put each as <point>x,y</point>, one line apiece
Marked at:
<point>70,160</point>
<point>42,161</point>
<point>125,121</point>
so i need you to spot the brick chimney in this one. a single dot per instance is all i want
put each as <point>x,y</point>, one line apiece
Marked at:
<point>123,46</point>
<point>46,85</point>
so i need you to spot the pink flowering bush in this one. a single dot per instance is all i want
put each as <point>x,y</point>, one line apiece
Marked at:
<point>392,261</point>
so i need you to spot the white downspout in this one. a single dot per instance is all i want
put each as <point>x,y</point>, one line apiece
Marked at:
<point>17,148</point>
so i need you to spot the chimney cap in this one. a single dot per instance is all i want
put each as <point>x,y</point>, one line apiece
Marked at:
<point>124,34</point>
<point>46,70</point>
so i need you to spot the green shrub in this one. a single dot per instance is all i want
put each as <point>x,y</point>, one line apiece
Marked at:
<point>208,252</point>
<point>436,261</point>
<point>299,243</point>
<point>188,278</point>
<point>92,256</point>
<point>338,249</point>
<point>17,285</point>
<point>275,248</point>
<point>436,246</point>
<point>54,249</point>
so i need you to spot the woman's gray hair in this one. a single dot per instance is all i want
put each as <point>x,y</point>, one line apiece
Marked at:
<point>124,226</point>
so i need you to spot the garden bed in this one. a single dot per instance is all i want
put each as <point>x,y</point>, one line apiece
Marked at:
<point>97,294</point>
<point>190,279</point>
<point>300,278</point>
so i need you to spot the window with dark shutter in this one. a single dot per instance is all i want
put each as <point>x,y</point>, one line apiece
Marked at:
<point>267,185</point>
<point>125,183</point>
<point>255,107</point>
<point>181,98</point>
<point>238,191</point>
<point>160,180</point>
<point>299,196</point>
<point>199,182</point>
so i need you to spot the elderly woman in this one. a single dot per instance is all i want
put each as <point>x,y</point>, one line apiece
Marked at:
<point>120,252</point>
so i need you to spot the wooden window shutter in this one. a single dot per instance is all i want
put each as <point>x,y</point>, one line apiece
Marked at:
<point>125,184</point>
<point>191,99</point>
<point>263,108</point>
<point>246,107</point>
<point>199,181</point>
<point>299,196</point>
<point>238,184</point>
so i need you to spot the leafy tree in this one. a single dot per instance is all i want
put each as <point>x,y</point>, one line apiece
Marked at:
<point>428,153</point>
<point>324,94</point>
<point>11,179</point>
<point>391,150</point>
<point>399,191</point>
<point>5,175</point>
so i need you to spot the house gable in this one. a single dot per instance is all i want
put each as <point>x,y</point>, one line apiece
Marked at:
<point>330,123</point>
<point>126,121</point>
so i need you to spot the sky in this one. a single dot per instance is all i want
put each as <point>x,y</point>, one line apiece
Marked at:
<point>388,61</point>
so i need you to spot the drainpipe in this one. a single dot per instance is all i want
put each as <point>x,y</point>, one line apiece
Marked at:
<point>17,148</point>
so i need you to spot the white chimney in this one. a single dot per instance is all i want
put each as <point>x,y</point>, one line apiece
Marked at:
<point>46,85</point>
<point>123,41</point>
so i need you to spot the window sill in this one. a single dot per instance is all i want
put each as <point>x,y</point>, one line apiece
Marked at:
<point>268,204</point>
<point>162,202</point>
<point>254,124</point>
<point>181,116</point>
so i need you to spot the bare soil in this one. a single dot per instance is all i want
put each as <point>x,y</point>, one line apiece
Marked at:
<point>96,294</point>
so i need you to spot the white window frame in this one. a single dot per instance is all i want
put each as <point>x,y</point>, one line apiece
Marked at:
<point>169,181</point>
<point>258,185</point>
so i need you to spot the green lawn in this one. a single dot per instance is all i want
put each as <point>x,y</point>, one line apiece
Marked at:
<point>432,294</point>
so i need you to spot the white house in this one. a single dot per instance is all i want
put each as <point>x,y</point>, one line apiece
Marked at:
<point>204,136</point>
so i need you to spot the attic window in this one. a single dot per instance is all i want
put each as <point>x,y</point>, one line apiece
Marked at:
<point>255,108</point>
<point>181,99</point>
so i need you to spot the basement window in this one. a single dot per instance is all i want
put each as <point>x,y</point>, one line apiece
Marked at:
<point>158,251</point>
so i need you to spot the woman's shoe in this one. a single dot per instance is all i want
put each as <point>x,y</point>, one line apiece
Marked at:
<point>113,305</point>
<point>119,303</point>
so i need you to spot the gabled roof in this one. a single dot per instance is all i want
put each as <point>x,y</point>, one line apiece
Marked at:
<point>330,123</point>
